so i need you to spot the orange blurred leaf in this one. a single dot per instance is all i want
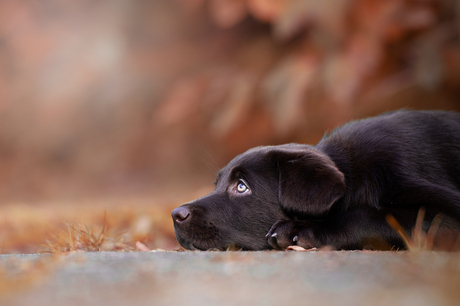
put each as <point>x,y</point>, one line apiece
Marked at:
<point>299,248</point>
<point>428,65</point>
<point>284,90</point>
<point>267,10</point>
<point>330,15</point>
<point>141,247</point>
<point>227,13</point>
<point>236,108</point>
<point>181,101</point>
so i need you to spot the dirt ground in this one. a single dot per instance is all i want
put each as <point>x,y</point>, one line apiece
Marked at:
<point>232,278</point>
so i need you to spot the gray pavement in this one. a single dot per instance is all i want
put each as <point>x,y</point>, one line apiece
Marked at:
<point>235,278</point>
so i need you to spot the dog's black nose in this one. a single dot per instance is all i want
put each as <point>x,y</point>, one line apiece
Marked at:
<point>180,214</point>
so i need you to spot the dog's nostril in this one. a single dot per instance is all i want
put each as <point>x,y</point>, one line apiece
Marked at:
<point>180,214</point>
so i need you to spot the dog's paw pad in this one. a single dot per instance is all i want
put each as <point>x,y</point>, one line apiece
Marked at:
<point>280,235</point>
<point>285,233</point>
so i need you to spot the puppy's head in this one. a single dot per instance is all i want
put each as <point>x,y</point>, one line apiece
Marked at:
<point>253,191</point>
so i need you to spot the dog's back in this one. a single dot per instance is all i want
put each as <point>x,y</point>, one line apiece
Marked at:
<point>385,157</point>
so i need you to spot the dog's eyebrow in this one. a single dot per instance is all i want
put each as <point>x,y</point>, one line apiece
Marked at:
<point>236,173</point>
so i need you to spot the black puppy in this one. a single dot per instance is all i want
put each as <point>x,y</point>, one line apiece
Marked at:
<point>336,193</point>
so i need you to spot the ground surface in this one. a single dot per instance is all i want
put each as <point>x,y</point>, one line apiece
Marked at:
<point>233,278</point>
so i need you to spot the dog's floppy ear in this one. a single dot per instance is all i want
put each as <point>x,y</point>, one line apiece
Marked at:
<point>309,182</point>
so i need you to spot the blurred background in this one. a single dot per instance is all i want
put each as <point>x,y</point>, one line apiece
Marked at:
<point>145,100</point>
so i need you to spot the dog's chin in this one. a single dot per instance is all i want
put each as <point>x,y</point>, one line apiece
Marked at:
<point>203,238</point>
<point>195,245</point>
<point>187,245</point>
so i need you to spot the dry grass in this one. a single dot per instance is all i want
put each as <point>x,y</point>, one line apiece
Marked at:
<point>420,240</point>
<point>56,228</point>
<point>84,238</point>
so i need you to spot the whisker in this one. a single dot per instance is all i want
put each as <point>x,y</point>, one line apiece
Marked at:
<point>211,167</point>
<point>214,166</point>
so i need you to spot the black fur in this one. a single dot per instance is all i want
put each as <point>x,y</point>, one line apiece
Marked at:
<point>336,193</point>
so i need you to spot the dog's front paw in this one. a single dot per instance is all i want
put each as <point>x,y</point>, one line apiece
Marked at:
<point>288,232</point>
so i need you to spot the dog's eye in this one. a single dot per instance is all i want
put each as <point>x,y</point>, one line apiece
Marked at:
<point>241,187</point>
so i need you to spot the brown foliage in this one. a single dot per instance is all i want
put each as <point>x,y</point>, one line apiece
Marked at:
<point>343,49</point>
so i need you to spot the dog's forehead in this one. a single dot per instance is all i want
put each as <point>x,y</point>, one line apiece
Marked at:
<point>252,158</point>
<point>251,155</point>
<point>257,157</point>
<point>259,154</point>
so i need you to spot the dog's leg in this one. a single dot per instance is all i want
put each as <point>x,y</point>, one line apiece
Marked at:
<point>359,228</point>
<point>355,229</point>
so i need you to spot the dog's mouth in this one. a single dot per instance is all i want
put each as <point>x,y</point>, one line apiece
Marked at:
<point>192,247</point>
<point>196,245</point>
<point>203,238</point>
<point>187,244</point>
<point>209,245</point>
